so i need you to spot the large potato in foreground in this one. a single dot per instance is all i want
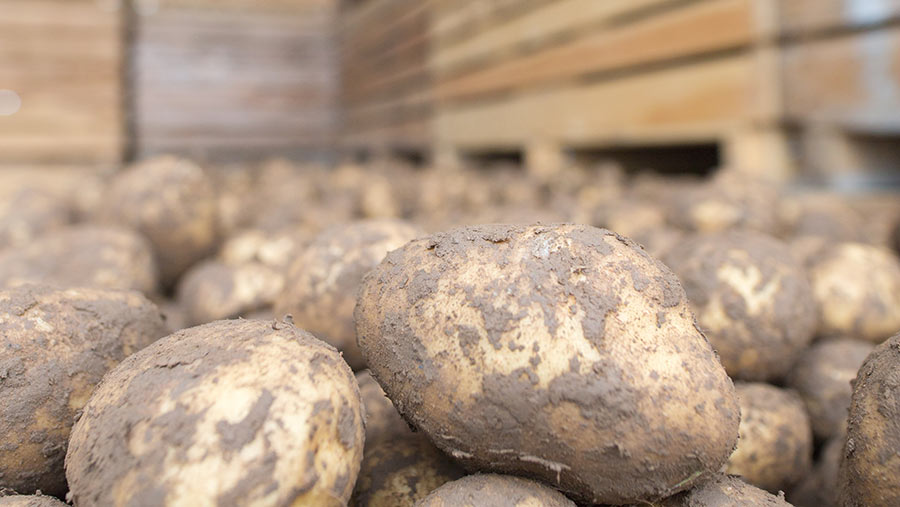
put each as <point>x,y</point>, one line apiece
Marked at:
<point>870,469</point>
<point>55,347</point>
<point>751,298</point>
<point>82,256</point>
<point>213,290</point>
<point>233,412</point>
<point>822,377</point>
<point>563,353</point>
<point>774,450</point>
<point>401,472</point>
<point>857,291</point>
<point>491,490</point>
<point>320,290</point>
<point>172,202</point>
<point>725,491</point>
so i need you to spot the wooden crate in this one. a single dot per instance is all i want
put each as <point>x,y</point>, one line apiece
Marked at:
<point>386,85</point>
<point>237,79</point>
<point>64,58</point>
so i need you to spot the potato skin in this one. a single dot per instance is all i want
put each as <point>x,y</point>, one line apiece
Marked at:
<point>56,346</point>
<point>492,490</point>
<point>82,256</point>
<point>870,465</point>
<point>321,286</point>
<point>751,298</point>
<point>173,204</point>
<point>28,212</point>
<point>399,473</point>
<point>857,291</point>
<point>822,377</point>
<point>383,422</point>
<point>725,491</point>
<point>232,412</point>
<point>213,290</point>
<point>14,500</point>
<point>774,450</point>
<point>528,350</point>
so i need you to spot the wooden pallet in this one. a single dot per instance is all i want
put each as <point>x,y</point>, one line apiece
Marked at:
<point>227,80</point>
<point>64,59</point>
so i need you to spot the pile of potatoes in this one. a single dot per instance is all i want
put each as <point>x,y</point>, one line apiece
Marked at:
<point>383,335</point>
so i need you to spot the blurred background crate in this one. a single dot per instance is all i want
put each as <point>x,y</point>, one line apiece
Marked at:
<point>65,60</point>
<point>776,87</point>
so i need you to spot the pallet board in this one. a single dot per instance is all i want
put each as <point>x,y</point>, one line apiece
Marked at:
<point>804,17</point>
<point>231,82</point>
<point>65,61</point>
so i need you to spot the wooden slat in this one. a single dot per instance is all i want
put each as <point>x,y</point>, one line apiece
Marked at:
<point>690,102</point>
<point>852,80</point>
<point>810,16</point>
<point>64,59</point>
<point>531,30</point>
<point>704,27</point>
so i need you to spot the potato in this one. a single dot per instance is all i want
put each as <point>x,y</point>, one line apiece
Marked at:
<point>82,256</point>
<point>212,290</point>
<point>320,290</point>
<point>528,350</point>
<point>383,422</point>
<point>172,203</point>
<point>820,215</point>
<point>491,490</point>
<point>774,450</point>
<point>14,500</point>
<point>820,486</point>
<point>822,377</point>
<point>725,491</point>
<point>401,472</point>
<point>751,298</point>
<point>895,238</point>
<point>238,412</point>
<point>28,212</point>
<point>632,218</point>
<point>730,201</point>
<point>273,249</point>
<point>871,457</point>
<point>857,291</point>
<point>56,346</point>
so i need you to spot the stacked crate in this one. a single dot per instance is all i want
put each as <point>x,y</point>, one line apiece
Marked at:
<point>234,79</point>
<point>767,82</point>
<point>386,85</point>
<point>64,60</point>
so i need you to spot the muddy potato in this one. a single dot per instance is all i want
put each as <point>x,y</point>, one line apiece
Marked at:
<point>774,450</point>
<point>529,350</point>
<point>56,346</point>
<point>213,290</point>
<point>820,486</point>
<point>871,455</point>
<point>492,490</point>
<point>14,500</point>
<point>171,202</point>
<point>725,491</point>
<point>27,213</point>
<point>751,298</point>
<point>857,291</point>
<point>820,215</point>
<point>383,422</point>
<point>730,201</point>
<point>233,412</point>
<point>274,249</point>
<point>82,256</point>
<point>822,377</point>
<point>321,285</point>
<point>401,472</point>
